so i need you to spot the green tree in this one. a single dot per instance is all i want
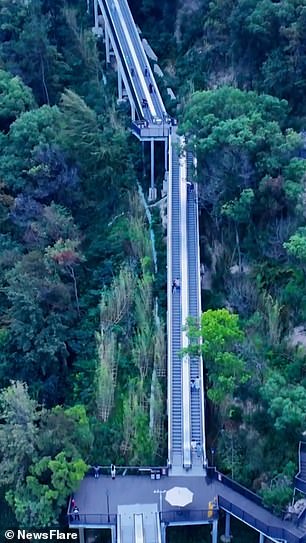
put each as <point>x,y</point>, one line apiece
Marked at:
<point>40,313</point>
<point>296,246</point>
<point>39,501</point>
<point>15,98</point>
<point>239,211</point>
<point>220,336</point>
<point>42,455</point>
<point>66,256</point>
<point>31,130</point>
<point>286,404</point>
<point>18,433</point>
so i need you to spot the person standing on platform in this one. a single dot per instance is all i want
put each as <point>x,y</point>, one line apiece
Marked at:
<point>113,471</point>
<point>76,513</point>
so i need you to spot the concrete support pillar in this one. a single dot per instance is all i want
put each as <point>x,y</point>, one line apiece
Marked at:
<point>166,155</point>
<point>113,534</point>
<point>152,190</point>
<point>120,83</point>
<point>107,44</point>
<point>133,111</point>
<point>163,532</point>
<point>96,15</point>
<point>214,532</point>
<point>226,538</point>
<point>152,164</point>
<point>261,538</point>
<point>81,535</point>
<point>143,159</point>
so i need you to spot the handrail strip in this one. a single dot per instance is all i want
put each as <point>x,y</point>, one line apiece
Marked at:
<point>136,61</point>
<point>169,301</point>
<point>186,406</point>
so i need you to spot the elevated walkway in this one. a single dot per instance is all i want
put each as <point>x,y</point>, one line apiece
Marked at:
<point>102,500</point>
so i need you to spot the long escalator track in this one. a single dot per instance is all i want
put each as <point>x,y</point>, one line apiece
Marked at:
<point>196,369</point>
<point>174,310</point>
<point>185,412</point>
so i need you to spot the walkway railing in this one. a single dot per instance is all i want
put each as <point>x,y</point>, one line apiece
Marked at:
<point>189,515</point>
<point>79,519</point>
<point>186,405</point>
<point>300,478</point>
<point>300,484</point>
<point>242,490</point>
<point>271,531</point>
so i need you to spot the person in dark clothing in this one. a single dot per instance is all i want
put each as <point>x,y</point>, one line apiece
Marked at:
<point>150,88</point>
<point>96,470</point>
<point>144,102</point>
<point>132,72</point>
<point>173,286</point>
<point>146,72</point>
<point>76,513</point>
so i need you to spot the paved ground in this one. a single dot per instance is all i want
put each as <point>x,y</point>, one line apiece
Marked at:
<point>101,497</point>
<point>95,494</point>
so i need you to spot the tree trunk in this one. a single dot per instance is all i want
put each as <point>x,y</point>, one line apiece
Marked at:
<point>76,295</point>
<point>238,249</point>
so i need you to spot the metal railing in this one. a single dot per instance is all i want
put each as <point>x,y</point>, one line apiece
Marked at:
<point>275,532</point>
<point>117,47</point>
<point>186,406</point>
<point>230,483</point>
<point>169,301</point>
<point>90,519</point>
<point>300,484</point>
<point>189,515</point>
<point>157,96</point>
<point>200,313</point>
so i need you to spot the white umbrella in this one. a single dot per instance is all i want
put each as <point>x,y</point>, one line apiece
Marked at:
<point>179,496</point>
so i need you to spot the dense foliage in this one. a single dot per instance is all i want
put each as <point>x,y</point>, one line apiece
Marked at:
<point>81,354</point>
<point>80,384</point>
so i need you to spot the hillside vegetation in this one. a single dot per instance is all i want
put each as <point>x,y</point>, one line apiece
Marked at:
<point>82,355</point>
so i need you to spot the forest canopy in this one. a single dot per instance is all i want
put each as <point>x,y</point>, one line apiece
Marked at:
<point>82,354</point>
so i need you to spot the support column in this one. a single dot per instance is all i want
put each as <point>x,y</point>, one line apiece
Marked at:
<point>81,535</point>
<point>261,538</point>
<point>143,159</point>
<point>226,538</point>
<point>166,155</point>
<point>113,534</point>
<point>107,44</point>
<point>163,532</point>
<point>152,190</point>
<point>96,16</point>
<point>214,532</point>
<point>120,83</point>
<point>133,111</point>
